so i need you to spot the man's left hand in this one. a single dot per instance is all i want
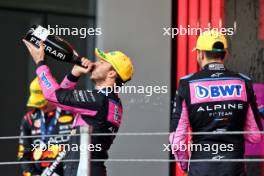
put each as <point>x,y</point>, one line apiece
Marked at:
<point>36,53</point>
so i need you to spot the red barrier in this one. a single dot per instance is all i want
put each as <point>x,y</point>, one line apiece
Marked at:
<point>217,14</point>
<point>182,40</point>
<point>193,22</point>
<point>205,6</point>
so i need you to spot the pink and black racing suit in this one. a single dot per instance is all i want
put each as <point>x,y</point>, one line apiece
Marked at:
<point>97,108</point>
<point>214,100</point>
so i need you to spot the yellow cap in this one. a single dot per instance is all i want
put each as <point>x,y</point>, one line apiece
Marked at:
<point>207,40</point>
<point>119,61</point>
<point>36,98</point>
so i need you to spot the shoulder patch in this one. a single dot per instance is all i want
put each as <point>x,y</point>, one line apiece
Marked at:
<point>244,76</point>
<point>187,76</point>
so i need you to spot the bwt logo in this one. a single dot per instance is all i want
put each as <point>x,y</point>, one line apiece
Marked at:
<point>45,80</point>
<point>217,91</point>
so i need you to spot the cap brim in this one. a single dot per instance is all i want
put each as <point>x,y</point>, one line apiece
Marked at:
<point>102,55</point>
<point>36,102</point>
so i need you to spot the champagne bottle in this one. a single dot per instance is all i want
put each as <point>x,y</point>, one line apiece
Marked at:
<point>55,46</point>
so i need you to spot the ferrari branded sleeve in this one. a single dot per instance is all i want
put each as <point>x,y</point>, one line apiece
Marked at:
<point>179,125</point>
<point>77,101</point>
<point>253,122</point>
<point>25,147</point>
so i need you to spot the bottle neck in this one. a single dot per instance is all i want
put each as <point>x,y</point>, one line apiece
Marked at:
<point>76,60</point>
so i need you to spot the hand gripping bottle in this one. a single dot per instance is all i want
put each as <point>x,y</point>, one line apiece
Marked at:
<point>55,46</point>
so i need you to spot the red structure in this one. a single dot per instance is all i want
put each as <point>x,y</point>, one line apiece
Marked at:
<point>217,13</point>
<point>182,40</point>
<point>193,14</point>
<point>193,23</point>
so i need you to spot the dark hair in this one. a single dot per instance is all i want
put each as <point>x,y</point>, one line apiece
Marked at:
<point>119,81</point>
<point>215,55</point>
<point>218,51</point>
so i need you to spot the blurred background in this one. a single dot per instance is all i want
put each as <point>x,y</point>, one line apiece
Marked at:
<point>136,28</point>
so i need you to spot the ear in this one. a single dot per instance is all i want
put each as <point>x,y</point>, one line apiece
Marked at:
<point>199,53</point>
<point>226,55</point>
<point>112,74</point>
<point>202,55</point>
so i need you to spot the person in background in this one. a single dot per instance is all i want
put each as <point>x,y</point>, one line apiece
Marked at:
<point>43,119</point>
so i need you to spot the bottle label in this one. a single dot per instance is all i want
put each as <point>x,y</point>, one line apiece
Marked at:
<point>41,32</point>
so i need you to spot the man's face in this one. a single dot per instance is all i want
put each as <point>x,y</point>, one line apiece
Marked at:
<point>101,70</point>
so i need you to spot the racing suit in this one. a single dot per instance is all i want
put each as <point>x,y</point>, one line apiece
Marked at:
<point>96,108</point>
<point>214,100</point>
<point>34,123</point>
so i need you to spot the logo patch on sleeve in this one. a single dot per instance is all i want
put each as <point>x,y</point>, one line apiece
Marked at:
<point>45,80</point>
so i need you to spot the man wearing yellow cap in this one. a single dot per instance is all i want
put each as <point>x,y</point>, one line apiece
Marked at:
<point>213,100</point>
<point>99,108</point>
<point>43,119</point>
